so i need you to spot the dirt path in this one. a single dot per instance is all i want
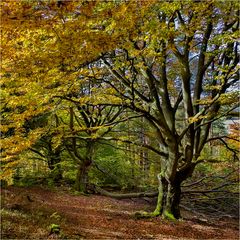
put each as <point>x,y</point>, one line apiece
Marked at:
<point>98,217</point>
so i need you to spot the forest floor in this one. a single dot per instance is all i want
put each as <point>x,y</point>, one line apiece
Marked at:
<point>29,213</point>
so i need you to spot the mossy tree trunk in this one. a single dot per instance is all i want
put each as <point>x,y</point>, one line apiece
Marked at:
<point>169,181</point>
<point>169,196</point>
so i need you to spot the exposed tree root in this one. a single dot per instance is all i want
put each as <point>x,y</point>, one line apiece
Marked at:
<point>143,214</point>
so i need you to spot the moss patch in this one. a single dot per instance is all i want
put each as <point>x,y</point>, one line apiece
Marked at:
<point>168,215</point>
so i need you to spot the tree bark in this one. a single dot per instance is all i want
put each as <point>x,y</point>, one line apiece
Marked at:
<point>169,195</point>
<point>54,160</point>
<point>81,182</point>
<point>82,177</point>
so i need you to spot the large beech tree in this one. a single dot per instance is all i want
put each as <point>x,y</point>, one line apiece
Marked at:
<point>184,61</point>
<point>175,63</point>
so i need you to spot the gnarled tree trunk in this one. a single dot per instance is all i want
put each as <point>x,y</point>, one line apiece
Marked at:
<point>170,180</point>
<point>169,195</point>
<point>169,192</point>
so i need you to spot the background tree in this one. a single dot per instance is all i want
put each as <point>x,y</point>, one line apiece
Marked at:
<point>45,47</point>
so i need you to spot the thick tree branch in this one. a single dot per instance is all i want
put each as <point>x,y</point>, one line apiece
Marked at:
<point>123,80</point>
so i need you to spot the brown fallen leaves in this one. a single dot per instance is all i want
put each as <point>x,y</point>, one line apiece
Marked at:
<point>97,217</point>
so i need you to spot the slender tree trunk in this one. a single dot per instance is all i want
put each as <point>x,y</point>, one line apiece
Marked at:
<point>58,172</point>
<point>82,177</point>
<point>81,182</point>
<point>54,160</point>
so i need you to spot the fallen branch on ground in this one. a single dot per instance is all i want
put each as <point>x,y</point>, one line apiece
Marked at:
<point>123,195</point>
